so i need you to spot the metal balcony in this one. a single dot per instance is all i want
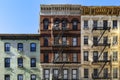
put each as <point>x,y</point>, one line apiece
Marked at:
<point>101,61</point>
<point>101,44</point>
<point>105,76</point>
<point>101,28</point>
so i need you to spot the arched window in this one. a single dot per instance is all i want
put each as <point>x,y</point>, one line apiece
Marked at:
<point>45,24</point>
<point>56,24</point>
<point>45,41</point>
<point>74,24</point>
<point>64,24</point>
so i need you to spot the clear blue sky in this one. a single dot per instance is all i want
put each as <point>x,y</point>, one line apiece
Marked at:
<point>22,16</point>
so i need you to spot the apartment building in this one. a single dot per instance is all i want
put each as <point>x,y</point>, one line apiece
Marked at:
<point>60,56</point>
<point>20,57</point>
<point>100,36</point>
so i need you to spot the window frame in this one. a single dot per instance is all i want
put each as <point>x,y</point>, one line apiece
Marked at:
<point>54,73</point>
<point>33,64</point>
<point>7,64</point>
<point>7,47</point>
<point>46,74</point>
<point>74,41</point>
<point>20,62</point>
<point>86,57</point>
<point>65,74</point>
<point>32,76</point>
<point>7,76</point>
<point>115,25</point>
<point>45,24</point>
<point>20,75</point>
<point>86,40</point>
<point>115,72</point>
<point>115,56</point>
<point>86,73</point>
<point>20,46</point>
<point>74,24</point>
<point>75,74</point>
<point>33,49</point>
<point>86,24</point>
<point>75,57</point>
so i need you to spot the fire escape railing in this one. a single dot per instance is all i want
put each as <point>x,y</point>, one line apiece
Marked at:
<point>104,45</point>
<point>59,47</point>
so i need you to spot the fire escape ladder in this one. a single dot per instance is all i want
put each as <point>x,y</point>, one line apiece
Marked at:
<point>102,68</point>
<point>102,52</point>
<point>101,35</point>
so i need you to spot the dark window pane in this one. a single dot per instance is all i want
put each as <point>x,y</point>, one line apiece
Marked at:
<point>33,47</point>
<point>45,24</point>
<point>75,25</point>
<point>33,62</point>
<point>33,77</point>
<point>85,73</point>
<point>114,24</point>
<point>45,41</point>
<point>20,77</point>
<point>20,62</point>
<point>20,46</point>
<point>46,57</point>
<point>7,46</point>
<point>7,62</point>
<point>7,77</point>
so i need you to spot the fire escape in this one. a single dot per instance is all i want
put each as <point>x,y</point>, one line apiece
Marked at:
<point>96,59</point>
<point>59,45</point>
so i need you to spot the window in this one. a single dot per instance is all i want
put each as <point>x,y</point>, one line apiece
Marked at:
<point>46,58</point>
<point>95,55</point>
<point>86,73</point>
<point>20,62</point>
<point>56,40</point>
<point>65,74</point>
<point>115,40</point>
<point>7,62</point>
<point>56,24</point>
<point>45,24</point>
<point>74,57</point>
<point>95,40</point>
<point>20,46</point>
<point>64,57</point>
<point>85,55</point>
<point>115,54</point>
<point>85,24</point>
<point>105,72</point>
<point>74,74</point>
<point>95,72</point>
<point>33,77</point>
<point>55,73</point>
<point>7,77</point>
<point>105,56</point>
<point>64,40</point>
<point>45,41</point>
<point>105,40</point>
<point>7,47</point>
<point>64,24</point>
<point>32,47</point>
<point>46,74</point>
<point>85,40</point>
<point>115,72</point>
<point>33,62</point>
<point>114,24</point>
<point>56,57</point>
<point>105,24</point>
<point>20,76</point>
<point>74,25</point>
<point>74,41</point>
<point>95,23</point>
